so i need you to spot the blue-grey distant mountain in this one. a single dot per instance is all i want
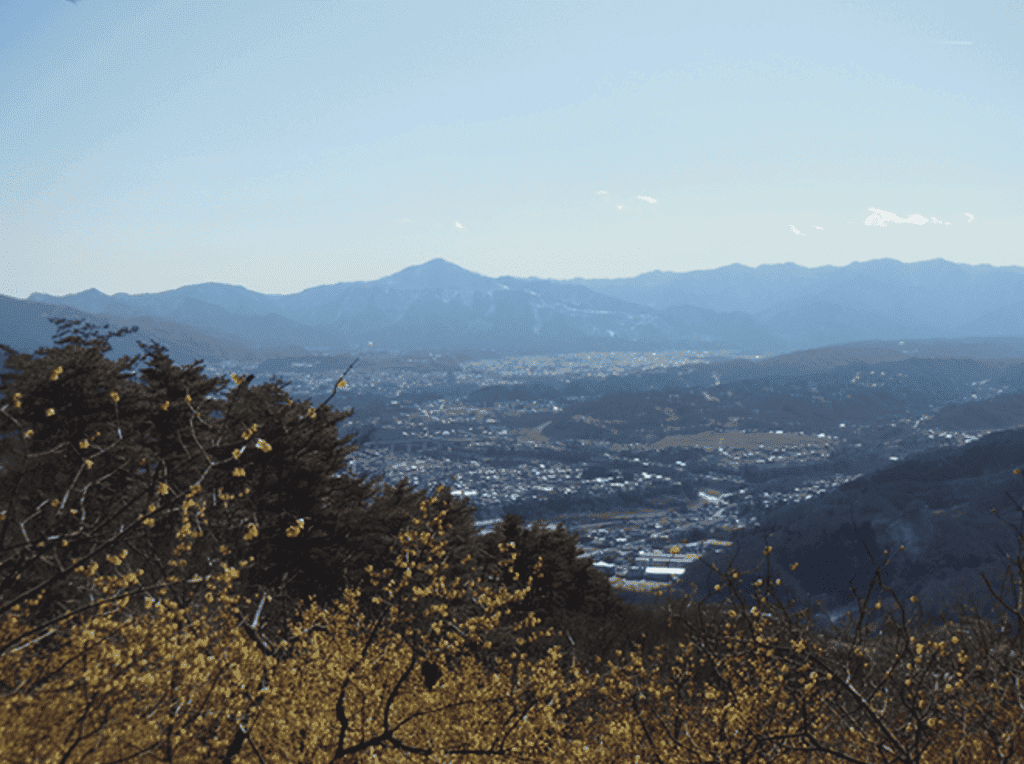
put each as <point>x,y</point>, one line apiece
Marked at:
<point>877,299</point>
<point>25,326</point>
<point>434,307</point>
<point>439,307</point>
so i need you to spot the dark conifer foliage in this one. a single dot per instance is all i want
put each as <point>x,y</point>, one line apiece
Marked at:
<point>162,435</point>
<point>567,592</point>
<point>87,447</point>
<point>55,413</point>
<point>91,445</point>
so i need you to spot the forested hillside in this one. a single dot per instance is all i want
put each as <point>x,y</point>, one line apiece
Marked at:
<point>187,578</point>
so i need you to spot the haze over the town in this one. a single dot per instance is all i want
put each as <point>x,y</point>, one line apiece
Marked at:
<point>280,146</point>
<point>686,338</point>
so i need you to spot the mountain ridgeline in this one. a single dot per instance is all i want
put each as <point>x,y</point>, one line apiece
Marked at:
<point>873,361</point>
<point>441,308</point>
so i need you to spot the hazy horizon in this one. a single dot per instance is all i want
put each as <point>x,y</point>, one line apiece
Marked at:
<point>414,265</point>
<point>284,146</point>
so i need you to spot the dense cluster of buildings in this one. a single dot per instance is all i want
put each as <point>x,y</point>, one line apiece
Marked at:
<point>481,453</point>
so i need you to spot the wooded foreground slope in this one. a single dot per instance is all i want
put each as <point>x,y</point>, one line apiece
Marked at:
<point>182,580</point>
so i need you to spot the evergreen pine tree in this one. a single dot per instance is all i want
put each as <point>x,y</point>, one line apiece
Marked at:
<point>89,450</point>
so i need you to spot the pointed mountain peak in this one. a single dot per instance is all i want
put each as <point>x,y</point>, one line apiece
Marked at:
<point>436,274</point>
<point>88,293</point>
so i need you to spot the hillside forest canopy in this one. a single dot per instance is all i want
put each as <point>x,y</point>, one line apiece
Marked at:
<point>186,578</point>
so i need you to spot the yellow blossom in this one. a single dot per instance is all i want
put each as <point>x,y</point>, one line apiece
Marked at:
<point>50,412</point>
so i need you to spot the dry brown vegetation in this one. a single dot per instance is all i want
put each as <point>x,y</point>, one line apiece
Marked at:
<point>406,667</point>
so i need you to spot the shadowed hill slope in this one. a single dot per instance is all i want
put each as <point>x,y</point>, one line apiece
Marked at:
<point>949,509</point>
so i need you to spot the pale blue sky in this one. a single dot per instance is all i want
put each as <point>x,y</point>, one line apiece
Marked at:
<point>283,145</point>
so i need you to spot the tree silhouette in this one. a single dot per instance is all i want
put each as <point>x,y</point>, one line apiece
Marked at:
<point>250,468</point>
<point>102,662</point>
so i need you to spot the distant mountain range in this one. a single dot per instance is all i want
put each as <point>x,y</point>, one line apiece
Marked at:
<point>439,307</point>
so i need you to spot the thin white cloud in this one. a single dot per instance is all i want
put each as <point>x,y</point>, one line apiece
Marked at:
<point>458,224</point>
<point>600,192</point>
<point>405,220</point>
<point>618,206</point>
<point>794,230</point>
<point>970,217</point>
<point>955,42</point>
<point>649,199</point>
<point>882,218</point>
<point>818,228</point>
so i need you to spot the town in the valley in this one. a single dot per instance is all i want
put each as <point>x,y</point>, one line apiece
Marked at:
<point>653,459</point>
